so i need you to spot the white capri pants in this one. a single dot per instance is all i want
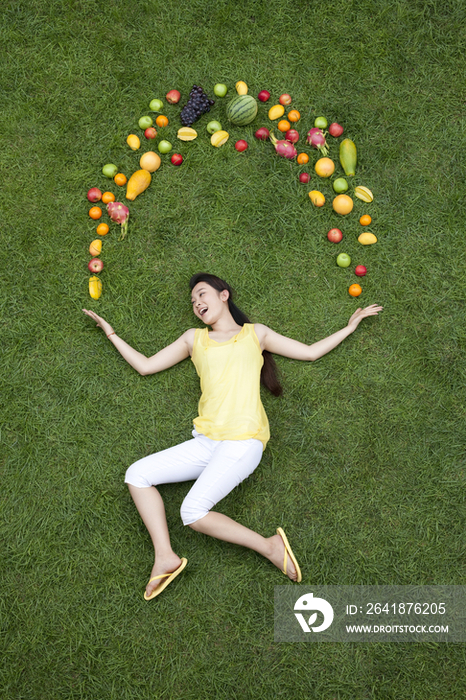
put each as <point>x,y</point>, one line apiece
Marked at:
<point>217,466</point>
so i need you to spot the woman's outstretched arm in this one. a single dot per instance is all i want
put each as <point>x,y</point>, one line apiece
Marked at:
<point>167,357</point>
<point>281,345</point>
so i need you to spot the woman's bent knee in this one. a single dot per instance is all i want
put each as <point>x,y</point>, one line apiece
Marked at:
<point>134,477</point>
<point>191,513</point>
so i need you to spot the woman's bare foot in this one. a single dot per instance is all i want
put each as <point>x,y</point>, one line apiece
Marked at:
<point>163,565</point>
<point>277,556</point>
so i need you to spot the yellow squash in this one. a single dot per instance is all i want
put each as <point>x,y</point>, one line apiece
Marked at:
<point>137,183</point>
<point>95,287</point>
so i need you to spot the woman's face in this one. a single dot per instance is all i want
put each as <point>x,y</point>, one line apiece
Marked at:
<point>208,303</point>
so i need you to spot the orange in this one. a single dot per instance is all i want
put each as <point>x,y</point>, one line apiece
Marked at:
<point>317,198</point>
<point>283,125</point>
<point>95,212</point>
<point>355,290</point>
<point>108,197</point>
<point>161,120</point>
<point>120,179</point>
<point>294,115</point>
<point>102,229</point>
<point>342,204</point>
<point>365,220</point>
<point>324,167</point>
<point>303,158</point>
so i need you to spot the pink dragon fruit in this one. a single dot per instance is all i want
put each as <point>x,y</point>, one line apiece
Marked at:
<point>120,215</point>
<point>316,138</point>
<point>284,148</point>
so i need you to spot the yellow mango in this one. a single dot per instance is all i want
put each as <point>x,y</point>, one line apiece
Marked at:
<point>241,87</point>
<point>367,238</point>
<point>133,142</point>
<point>276,112</point>
<point>95,248</point>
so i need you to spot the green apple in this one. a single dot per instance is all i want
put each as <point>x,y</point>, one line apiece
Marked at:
<point>340,185</point>
<point>166,147</point>
<point>110,170</point>
<point>156,105</point>
<point>220,89</point>
<point>145,123</point>
<point>321,123</point>
<point>343,260</point>
<point>213,126</point>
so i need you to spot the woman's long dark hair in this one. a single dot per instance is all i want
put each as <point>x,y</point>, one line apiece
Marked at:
<point>269,372</point>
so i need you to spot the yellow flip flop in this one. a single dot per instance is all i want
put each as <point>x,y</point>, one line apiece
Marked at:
<point>289,552</point>
<point>168,579</point>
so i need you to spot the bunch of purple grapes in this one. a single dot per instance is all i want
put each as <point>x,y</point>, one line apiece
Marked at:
<point>196,106</point>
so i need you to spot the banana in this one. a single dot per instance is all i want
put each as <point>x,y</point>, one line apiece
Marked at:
<point>363,193</point>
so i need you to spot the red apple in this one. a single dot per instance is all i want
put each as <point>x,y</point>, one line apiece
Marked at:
<point>176,159</point>
<point>150,133</point>
<point>334,235</point>
<point>360,270</point>
<point>262,134</point>
<point>95,265</point>
<point>173,97</point>
<point>304,177</point>
<point>292,136</point>
<point>264,95</point>
<point>241,145</point>
<point>94,194</point>
<point>285,99</point>
<point>335,129</point>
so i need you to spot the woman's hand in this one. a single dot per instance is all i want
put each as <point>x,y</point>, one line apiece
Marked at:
<point>101,322</point>
<point>359,314</point>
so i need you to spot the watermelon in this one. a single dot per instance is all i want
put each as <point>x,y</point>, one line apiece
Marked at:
<point>242,110</point>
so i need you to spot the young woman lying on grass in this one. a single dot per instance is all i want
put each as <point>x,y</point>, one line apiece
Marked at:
<point>231,430</point>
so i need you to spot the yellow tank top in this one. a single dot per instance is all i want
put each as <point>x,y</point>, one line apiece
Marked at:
<point>230,407</point>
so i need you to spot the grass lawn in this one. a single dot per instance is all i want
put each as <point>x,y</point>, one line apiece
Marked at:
<point>365,468</point>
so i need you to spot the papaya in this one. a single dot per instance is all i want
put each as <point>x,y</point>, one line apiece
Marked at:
<point>348,156</point>
<point>137,183</point>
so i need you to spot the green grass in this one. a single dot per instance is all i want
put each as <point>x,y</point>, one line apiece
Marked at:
<point>366,465</point>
